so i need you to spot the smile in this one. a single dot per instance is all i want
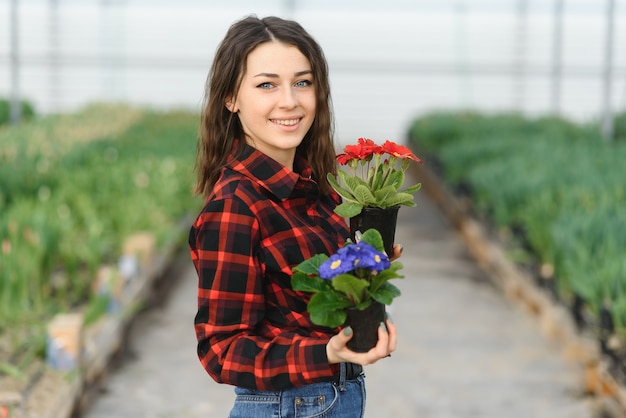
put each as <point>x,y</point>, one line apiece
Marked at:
<point>286,122</point>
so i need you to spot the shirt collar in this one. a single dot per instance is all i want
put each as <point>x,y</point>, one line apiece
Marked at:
<point>269,173</point>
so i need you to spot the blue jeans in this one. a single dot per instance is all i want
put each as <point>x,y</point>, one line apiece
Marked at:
<point>341,399</point>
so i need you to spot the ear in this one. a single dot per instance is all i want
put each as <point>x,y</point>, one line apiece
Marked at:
<point>230,104</point>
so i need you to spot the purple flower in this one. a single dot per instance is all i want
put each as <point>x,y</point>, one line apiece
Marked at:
<point>352,257</point>
<point>370,258</point>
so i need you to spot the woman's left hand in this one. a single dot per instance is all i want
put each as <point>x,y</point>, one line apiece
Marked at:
<point>337,350</point>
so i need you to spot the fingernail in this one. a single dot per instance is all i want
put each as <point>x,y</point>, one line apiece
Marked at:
<point>383,326</point>
<point>401,248</point>
<point>347,331</point>
<point>388,317</point>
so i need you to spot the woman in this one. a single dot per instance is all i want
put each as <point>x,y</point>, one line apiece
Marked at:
<point>264,150</point>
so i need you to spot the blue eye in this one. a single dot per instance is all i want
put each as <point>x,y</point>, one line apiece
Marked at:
<point>267,85</point>
<point>303,83</point>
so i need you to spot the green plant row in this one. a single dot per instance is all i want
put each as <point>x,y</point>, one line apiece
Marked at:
<point>559,185</point>
<point>72,188</point>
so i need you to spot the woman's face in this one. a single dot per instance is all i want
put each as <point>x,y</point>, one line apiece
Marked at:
<point>276,101</point>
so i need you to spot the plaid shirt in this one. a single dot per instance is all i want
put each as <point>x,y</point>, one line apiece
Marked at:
<point>260,221</point>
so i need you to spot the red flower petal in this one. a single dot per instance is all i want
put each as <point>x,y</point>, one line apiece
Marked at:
<point>370,146</point>
<point>399,151</point>
<point>361,151</point>
<point>343,159</point>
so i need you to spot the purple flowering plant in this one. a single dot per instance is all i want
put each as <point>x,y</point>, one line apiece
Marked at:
<point>352,278</point>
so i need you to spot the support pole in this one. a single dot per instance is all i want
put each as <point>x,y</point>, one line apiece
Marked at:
<point>607,113</point>
<point>557,57</point>
<point>15,107</point>
<point>520,54</point>
<point>463,71</point>
<point>55,88</point>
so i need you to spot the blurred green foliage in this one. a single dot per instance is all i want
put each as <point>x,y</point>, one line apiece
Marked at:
<point>559,185</point>
<point>73,187</point>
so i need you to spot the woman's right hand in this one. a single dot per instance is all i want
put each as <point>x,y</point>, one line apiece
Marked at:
<point>337,350</point>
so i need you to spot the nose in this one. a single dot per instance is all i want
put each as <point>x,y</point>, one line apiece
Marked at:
<point>288,98</point>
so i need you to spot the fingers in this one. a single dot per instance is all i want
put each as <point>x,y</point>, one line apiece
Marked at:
<point>345,335</point>
<point>397,252</point>
<point>381,350</point>
<point>393,335</point>
<point>387,340</point>
<point>337,351</point>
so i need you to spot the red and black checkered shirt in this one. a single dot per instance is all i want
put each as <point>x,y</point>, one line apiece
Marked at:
<point>260,221</point>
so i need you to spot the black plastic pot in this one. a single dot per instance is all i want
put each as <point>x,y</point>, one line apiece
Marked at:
<point>365,324</point>
<point>383,220</point>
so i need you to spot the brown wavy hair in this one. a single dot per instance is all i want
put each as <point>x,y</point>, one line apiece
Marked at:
<point>219,128</point>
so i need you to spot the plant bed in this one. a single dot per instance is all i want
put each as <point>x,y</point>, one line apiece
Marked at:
<point>522,258</point>
<point>555,320</point>
<point>42,391</point>
<point>72,187</point>
<point>74,191</point>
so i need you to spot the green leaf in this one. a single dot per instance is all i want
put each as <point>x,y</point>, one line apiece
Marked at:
<point>344,193</point>
<point>385,293</point>
<point>311,265</point>
<point>304,283</point>
<point>364,305</point>
<point>383,276</point>
<point>352,286</point>
<point>364,195</point>
<point>372,237</point>
<point>349,209</point>
<point>331,319</point>
<point>384,193</point>
<point>350,182</point>
<point>396,179</point>
<point>358,181</point>
<point>377,179</point>
<point>328,301</point>
<point>400,199</point>
<point>412,189</point>
<point>327,308</point>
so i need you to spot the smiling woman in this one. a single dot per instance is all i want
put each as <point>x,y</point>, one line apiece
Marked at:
<point>265,147</point>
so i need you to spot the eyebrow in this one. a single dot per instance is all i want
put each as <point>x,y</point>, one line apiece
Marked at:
<point>272,75</point>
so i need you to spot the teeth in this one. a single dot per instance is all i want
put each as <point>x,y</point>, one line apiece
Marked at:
<point>287,122</point>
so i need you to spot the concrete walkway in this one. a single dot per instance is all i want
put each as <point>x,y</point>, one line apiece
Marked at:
<point>464,351</point>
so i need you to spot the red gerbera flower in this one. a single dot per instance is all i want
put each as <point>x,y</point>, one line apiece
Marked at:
<point>370,146</point>
<point>363,150</point>
<point>399,151</point>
